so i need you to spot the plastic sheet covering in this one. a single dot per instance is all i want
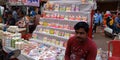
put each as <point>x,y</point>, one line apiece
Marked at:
<point>20,57</point>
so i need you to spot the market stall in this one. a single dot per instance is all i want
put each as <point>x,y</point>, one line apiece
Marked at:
<point>59,17</point>
<point>49,39</point>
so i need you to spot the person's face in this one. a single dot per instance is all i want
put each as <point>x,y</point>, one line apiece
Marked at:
<point>81,35</point>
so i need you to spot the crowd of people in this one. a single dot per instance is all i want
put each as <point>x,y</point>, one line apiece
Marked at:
<point>16,16</point>
<point>108,19</point>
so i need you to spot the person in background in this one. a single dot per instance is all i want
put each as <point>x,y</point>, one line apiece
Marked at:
<point>37,19</point>
<point>14,13</point>
<point>106,15</point>
<point>5,16</point>
<point>20,15</point>
<point>21,23</point>
<point>32,12</point>
<point>97,20</point>
<point>10,19</point>
<point>32,24</point>
<point>80,47</point>
<point>102,14</point>
<point>117,24</point>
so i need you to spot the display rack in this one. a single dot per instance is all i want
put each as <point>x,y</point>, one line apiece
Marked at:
<point>59,18</point>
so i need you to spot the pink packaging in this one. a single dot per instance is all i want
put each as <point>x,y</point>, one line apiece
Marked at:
<point>78,17</point>
<point>48,16</point>
<point>61,16</point>
<point>58,16</point>
<point>52,15</point>
<point>77,8</point>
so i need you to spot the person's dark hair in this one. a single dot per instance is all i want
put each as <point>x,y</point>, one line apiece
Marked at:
<point>83,25</point>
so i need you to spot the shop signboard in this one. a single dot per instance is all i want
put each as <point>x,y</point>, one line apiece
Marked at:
<point>31,2</point>
<point>25,2</point>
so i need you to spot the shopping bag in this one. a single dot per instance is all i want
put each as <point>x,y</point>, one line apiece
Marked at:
<point>109,30</point>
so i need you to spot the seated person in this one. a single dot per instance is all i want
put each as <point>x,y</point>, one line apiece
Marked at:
<point>10,19</point>
<point>22,20</point>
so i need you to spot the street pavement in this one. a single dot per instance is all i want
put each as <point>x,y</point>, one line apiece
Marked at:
<point>100,39</point>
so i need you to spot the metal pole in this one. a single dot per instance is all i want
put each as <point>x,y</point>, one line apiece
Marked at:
<point>118,7</point>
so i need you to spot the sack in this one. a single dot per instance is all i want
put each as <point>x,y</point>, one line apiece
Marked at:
<point>109,30</point>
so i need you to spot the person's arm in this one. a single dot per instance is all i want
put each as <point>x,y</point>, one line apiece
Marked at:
<point>68,50</point>
<point>92,53</point>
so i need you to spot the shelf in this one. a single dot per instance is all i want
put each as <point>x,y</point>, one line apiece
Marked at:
<point>39,41</point>
<point>63,13</point>
<point>61,29</point>
<point>69,12</point>
<point>19,30</point>
<point>70,2</point>
<point>60,37</point>
<point>62,20</point>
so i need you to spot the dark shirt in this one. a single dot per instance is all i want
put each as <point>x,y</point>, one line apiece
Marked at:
<point>11,21</point>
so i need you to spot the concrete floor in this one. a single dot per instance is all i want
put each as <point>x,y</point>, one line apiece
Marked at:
<point>100,39</point>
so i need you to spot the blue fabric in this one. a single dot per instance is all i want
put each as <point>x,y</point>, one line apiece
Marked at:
<point>117,20</point>
<point>115,28</point>
<point>33,13</point>
<point>97,18</point>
